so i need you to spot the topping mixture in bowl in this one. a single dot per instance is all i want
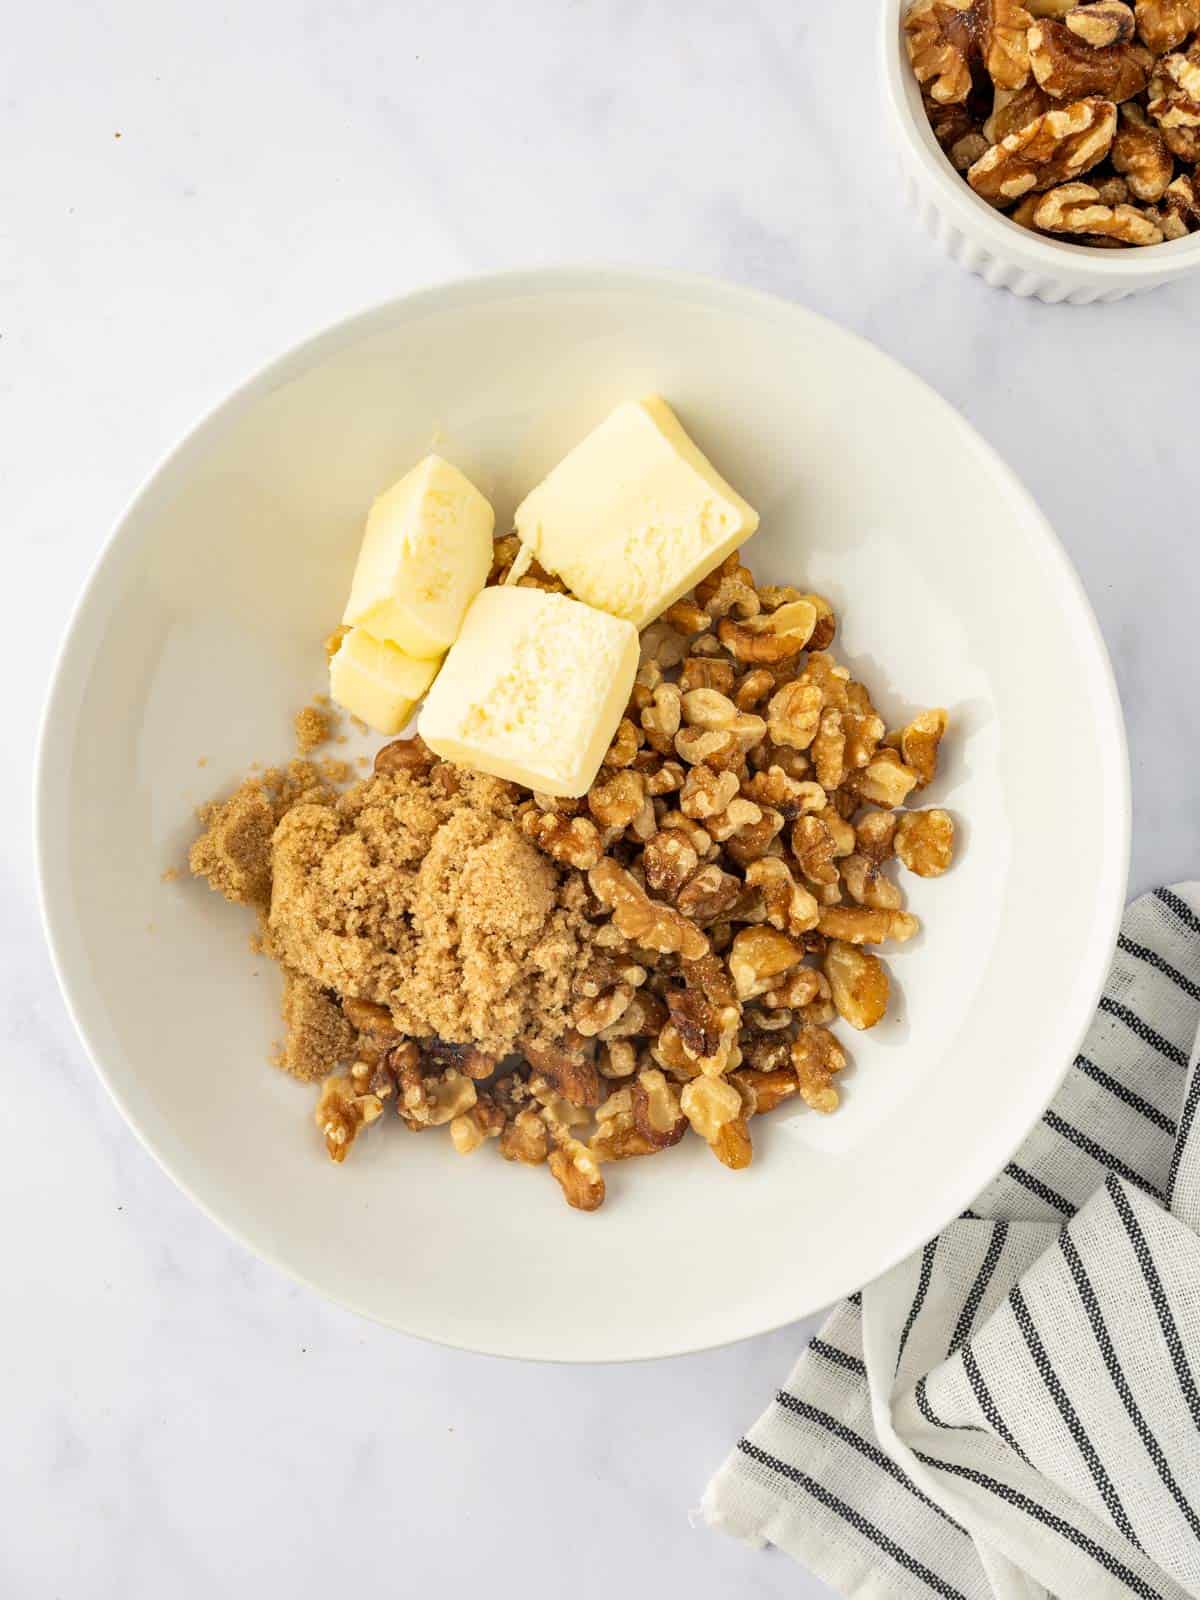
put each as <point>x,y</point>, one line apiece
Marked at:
<point>661,946</point>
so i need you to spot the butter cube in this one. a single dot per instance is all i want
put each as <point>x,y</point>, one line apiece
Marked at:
<point>374,680</point>
<point>635,515</point>
<point>532,690</point>
<point>425,555</point>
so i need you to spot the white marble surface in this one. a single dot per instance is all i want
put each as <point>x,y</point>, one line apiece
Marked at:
<point>179,1419</point>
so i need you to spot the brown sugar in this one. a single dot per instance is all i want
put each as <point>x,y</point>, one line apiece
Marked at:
<point>317,1032</point>
<point>415,890</point>
<point>314,727</point>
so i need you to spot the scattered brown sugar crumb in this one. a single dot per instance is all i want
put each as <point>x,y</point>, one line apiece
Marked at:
<point>317,1032</point>
<point>414,889</point>
<point>170,875</point>
<point>201,761</point>
<point>313,728</point>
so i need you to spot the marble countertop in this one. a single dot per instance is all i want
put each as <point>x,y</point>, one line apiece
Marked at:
<point>187,191</point>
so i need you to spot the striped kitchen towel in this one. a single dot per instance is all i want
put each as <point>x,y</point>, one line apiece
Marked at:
<point>1015,1411</point>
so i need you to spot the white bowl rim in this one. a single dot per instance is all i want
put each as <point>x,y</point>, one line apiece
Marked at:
<point>1170,259</point>
<point>1110,727</point>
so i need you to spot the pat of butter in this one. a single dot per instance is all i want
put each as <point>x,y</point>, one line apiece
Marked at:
<point>374,680</point>
<point>532,690</point>
<point>425,555</point>
<point>635,515</point>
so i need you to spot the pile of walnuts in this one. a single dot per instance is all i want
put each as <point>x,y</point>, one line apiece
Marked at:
<point>1081,121</point>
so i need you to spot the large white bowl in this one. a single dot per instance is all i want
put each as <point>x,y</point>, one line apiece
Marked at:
<point>984,240</point>
<point>199,633</point>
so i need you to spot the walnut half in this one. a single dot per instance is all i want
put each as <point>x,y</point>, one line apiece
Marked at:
<point>1055,148</point>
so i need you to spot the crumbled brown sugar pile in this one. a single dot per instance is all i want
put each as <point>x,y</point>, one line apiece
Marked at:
<point>414,890</point>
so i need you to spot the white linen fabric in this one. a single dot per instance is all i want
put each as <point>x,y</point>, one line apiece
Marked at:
<point>1015,1410</point>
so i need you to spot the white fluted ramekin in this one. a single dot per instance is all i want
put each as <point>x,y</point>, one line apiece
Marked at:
<point>984,240</point>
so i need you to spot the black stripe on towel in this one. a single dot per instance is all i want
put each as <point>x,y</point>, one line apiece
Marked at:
<point>801,1408</point>
<point>1186,1120</point>
<point>1049,1519</point>
<point>839,1358</point>
<point>919,1298</point>
<point>1098,1153</point>
<point>1182,910</point>
<point>966,1318</point>
<point>1091,1305</point>
<point>1135,1102</point>
<point>1144,1031</point>
<point>1104,1484</point>
<point>1166,1320</point>
<point>1037,1187</point>
<point>848,1514</point>
<point>1152,959</point>
<point>987,1405</point>
<point>927,1411</point>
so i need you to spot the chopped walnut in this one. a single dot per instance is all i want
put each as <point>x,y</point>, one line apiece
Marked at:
<point>706,1029</point>
<point>1165,24</point>
<point>925,842</point>
<point>573,841</point>
<point>657,1114</point>
<point>940,40</point>
<point>472,1128</point>
<point>795,991</point>
<point>404,755</point>
<point>708,895</point>
<point>1181,203</point>
<point>1174,101</point>
<point>702,672</point>
<point>714,1108</point>
<point>733,595</point>
<point>1140,155</point>
<point>668,861</point>
<point>818,842</point>
<point>342,1111</point>
<point>685,616</point>
<point>626,743</point>
<point>858,982</point>
<point>868,885</point>
<point>567,1068</point>
<point>706,793</point>
<point>1077,208</point>
<point>647,922</point>
<point>874,836</point>
<point>817,1059</point>
<point>794,714</point>
<point>861,925</point>
<point>829,750</point>
<point>616,801</point>
<point>1054,148</point>
<point>708,747</point>
<point>576,1171</point>
<point>779,636</point>
<point>709,709</point>
<point>661,720</point>
<point>919,742</point>
<point>1069,68</point>
<point>525,1139</point>
<point>758,956</point>
<point>885,781</point>
<point>791,797</point>
<point>1102,23</point>
<point>789,906</point>
<point>763,1089</point>
<point>429,1099</point>
<point>1015,109</point>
